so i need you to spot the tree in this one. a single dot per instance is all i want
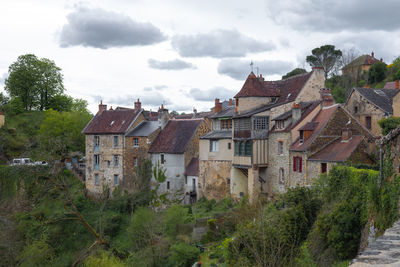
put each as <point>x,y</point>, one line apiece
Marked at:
<point>293,72</point>
<point>3,99</point>
<point>389,124</point>
<point>35,80</point>
<point>326,57</point>
<point>377,72</point>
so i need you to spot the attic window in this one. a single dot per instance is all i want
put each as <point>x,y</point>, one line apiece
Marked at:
<point>380,92</point>
<point>123,121</point>
<point>288,96</point>
<point>111,123</point>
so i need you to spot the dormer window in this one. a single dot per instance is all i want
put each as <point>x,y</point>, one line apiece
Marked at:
<point>301,137</point>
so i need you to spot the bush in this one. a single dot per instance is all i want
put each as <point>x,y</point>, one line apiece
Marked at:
<point>184,255</point>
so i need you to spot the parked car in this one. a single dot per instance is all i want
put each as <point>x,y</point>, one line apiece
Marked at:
<point>22,161</point>
<point>41,163</point>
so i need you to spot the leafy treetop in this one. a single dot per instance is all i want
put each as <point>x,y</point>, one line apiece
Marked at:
<point>326,57</point>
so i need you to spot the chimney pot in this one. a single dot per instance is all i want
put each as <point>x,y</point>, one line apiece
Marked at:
<point>230,102</point>
<point>218,106</point>
<point>102,107</point>
<point>138,105</point>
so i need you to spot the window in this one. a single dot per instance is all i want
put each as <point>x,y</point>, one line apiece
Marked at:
<point>96,162</point>
<point>116,179</point>
<point>248,148</point>
<point>260,123</point>
<point>281,175</point>
<point>162,158</point>
<point>168,185</point>
<point>301,137</point>
<point>108,163</point>
<point>228,181</point>
<point>116,160</point>
<point>243,148</point>
<point>297,164</point>
<point>213,145</point>
<point>135,141</point>
<point>194,184</point>
<point>242,124</point>
<point>368,122</point>
<point>280,147</point>
<point>135,161</point>
<point>96,140</point>
<point>355,110</point>
<point>96,179</point>
<point>226,124</point>
<point>323,167</point>
<point>115,141</point>
<point>229,146</point>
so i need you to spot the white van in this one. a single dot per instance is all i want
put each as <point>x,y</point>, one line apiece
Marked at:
<point>22,161</point>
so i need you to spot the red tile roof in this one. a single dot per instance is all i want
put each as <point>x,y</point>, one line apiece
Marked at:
<point>192,169</point>
<point>390,85</point>
<point>111,122</point>
<point>321,119</point>
<point>287,89</point>
<point>175,136</point>
<point>338,150</point>
<point>309,126</point>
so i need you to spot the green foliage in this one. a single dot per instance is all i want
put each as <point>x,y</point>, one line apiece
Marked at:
<point>60,103</point>
<point>377,73</point>
<point>159,173</point>
<point>60,132</point>
<point>174,216</point>
<point>389,124</point>
<point>294,72</point>
<point>183,255</point>
<point>144,228</point>
<point>325,56</point>
<point>14,107</point>
<point>3,99</point>
<point>35,81</point>
<point>103,259</point>
<point>38,253</point>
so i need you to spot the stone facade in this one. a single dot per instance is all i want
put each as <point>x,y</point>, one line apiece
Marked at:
<point>110,162</point>
<point>2,119</point>
<point>361,108</point>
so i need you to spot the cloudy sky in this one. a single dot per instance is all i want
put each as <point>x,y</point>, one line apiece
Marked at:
<point>186,53</point>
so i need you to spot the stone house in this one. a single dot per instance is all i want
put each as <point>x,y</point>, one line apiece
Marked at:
<point>369,105</point>
<point>215,154</point>
<point>256,104</point>
<point>330,136</point>
<point>173,149</point>
<point>2,118</point>
<point>104,137</point>
<point>359,66</point>
<point>191,181</point>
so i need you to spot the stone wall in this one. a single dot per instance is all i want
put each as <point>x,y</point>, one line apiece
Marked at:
<point>278,161</point>
<point>296,177</point>
<point>106,170</point>
<point>2,120</point>
<point>365,109</point>
<point>213,178</point>
<point>192,149</point>
<point>310,91</point>
<point>247,103</point>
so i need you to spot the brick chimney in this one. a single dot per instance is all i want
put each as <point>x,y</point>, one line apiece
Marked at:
<point>296,112</point>
<point>138,105</point>
<point>101,107</point>
<point>218,106</point>
<point>163,116</point>
<point>326,97</point>
<point>346,134</point>
<point>397,84</point>
<point>230,102</point>
<point>372,54</point>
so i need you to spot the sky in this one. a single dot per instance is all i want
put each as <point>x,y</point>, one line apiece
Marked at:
<point>184,54</point>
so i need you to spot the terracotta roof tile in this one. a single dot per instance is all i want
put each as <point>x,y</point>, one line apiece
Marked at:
<point>175,136</point>
<point>287,89</point>
<point>309,126</point>
<point>192,169</point>
<point>338,150</point>
<point>321,118</point>
<point>111,122</point>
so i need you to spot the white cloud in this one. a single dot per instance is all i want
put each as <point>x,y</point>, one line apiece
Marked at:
<point>176,64</point>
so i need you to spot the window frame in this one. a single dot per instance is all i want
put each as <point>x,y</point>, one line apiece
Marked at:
<point>162,158</point>
<point>96,140</point>
<point>135,141</point>
<point>260,123</point>
<point>96,179</point>
<point>214,146</point>
<point>116,141</point>
<point>116,179</point>
<point>280,147</point>
<point>281,175</point>
<point>116,160</point>
<point>135,162</point>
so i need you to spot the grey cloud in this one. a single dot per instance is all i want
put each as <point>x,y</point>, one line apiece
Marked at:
<point>155,87</point>
<point>239,69</point>
<point>3,78</point>
<point>365,44</point>
<point>104,29</point>
<point>336,15</point>
<point>154,99</point>
<point>211,94</point>
<point>176,64</point>
<point>218,44</point>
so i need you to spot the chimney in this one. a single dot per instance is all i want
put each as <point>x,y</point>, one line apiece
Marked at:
<point>138,105</point>
<point>101,107</point>
<point>381,60</point>
<point>163,117</point>
<point>230,102</point>
<point>397,84</point>
<point>372,54</point>
<point>218,106</point>
<point>260,78</point>
<point>296,112</point>
<point>326,97</point>
<point>346,134</point>
<point>111,108</point>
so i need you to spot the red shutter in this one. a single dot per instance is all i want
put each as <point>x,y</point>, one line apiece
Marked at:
<point>300,163</point>
<point>294,164</point>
